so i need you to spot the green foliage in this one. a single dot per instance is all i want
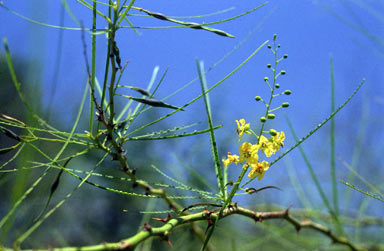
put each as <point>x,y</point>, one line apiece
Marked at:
<point>53,157</point>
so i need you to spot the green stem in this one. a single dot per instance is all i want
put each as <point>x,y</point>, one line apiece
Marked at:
<point>111,55</point>
<point>272,92</point>
<point>93,67</point>
<point>235,188</point>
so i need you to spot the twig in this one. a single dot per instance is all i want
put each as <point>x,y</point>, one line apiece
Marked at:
<point>165,230</point>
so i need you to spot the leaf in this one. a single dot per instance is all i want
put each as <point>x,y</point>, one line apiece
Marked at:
<point>10,133</point>
<point>377,197</point>
<point>12,119</point>
<point>153,102</point>
<point>140,90</point>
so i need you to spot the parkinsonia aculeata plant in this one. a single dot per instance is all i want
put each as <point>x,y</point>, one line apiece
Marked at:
<point>248,152</point>
<point>113,131</point>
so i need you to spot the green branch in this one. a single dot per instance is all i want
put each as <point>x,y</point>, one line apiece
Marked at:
<point>171,223</point>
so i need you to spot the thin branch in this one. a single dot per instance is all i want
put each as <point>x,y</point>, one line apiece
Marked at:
<point>164,231</point>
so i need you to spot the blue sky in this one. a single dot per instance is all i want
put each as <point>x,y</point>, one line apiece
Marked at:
<point>309,32</point>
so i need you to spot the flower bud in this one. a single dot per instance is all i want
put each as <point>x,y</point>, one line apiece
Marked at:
<point>269,65</point>
<point>269,46</point>
<point>274,36</point>
<point>266,79</point>
<point>285,105</point>
<point>277,86</point>
<point>271,116</point>
<point>273,132</point>
<point>257,98</point>
<point>287,92</point>
<point>285,56</point>
<point>283,72</point>
<point>263,119</point>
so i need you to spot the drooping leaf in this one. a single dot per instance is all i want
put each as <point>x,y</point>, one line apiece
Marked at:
<point>153,102</point>
<point>10,133</point>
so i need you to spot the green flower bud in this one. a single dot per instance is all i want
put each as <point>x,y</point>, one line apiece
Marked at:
<point>271,116</point>
<point>265,79</point>
<point>274,36</point>
<point>257,98</point>
<point>278,46</point>
<point>263,119</point>
<point>285,105</point>
<point>273,132</point>
<point>285,56</point>
<point>269,65</point>
<point>287,92</point>
<point>283,72</point>
<point>277,86</point>
<point>269,46</point>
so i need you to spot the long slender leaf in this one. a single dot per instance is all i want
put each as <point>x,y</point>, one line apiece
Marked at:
<point>377,197</point>
<point>215,154</point>
<point>332,143</point>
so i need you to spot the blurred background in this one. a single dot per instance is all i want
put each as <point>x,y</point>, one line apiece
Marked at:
<point>50,65</point>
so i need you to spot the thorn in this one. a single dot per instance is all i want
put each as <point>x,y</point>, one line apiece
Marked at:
<point>286,211</point>
<point>210,224</point>
<point>206,212</point>
<point>165,237</point>
<point>163,219</point>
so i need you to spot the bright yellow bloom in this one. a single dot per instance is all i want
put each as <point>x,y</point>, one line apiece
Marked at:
<point>271,145</point>
<point>248,153</point>
<point>266,146</point>
<point>277,141</point>
<point>258,170</point>
<point>232,158</point>
<point>242,128</point>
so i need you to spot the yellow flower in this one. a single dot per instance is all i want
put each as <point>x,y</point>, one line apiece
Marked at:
<point>266,145</point>
<point>258,170</point>
<point>248,153</point>
<point>277,141</point>
<point>273,144</point>
<point>232,158</point>
<point>242,128</point>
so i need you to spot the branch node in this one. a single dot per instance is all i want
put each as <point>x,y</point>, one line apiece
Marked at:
<point>147,190</point>
<point>147,227</point>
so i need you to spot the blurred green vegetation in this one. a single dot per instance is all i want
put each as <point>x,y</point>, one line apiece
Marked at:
<point>93,215</point>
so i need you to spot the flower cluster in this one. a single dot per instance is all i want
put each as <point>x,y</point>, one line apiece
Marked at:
<point>249,153</point>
